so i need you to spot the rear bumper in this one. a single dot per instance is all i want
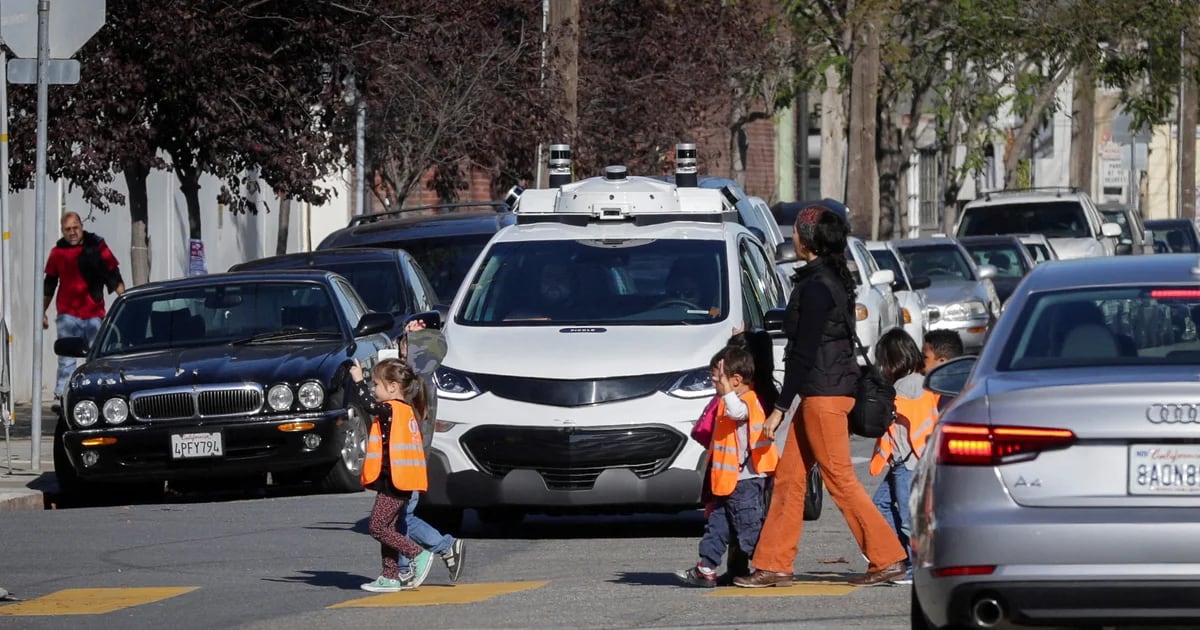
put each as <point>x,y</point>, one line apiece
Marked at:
<point>1102,602</point>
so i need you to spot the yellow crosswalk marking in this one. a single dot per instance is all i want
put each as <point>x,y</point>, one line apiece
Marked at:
<point>92,601</point>
<point>798,589</point>
<point>432,595</point>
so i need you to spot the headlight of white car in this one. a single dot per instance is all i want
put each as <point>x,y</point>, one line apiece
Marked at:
<point>86,413</point>
<point>970,309</point>
<point>116,410</point>
<point>280,397</point>
<point>454,384</point>
<point>311,395</point>
<point>693,384</point>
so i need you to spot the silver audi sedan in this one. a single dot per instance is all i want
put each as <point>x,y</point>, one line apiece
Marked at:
<point>1062,484</point>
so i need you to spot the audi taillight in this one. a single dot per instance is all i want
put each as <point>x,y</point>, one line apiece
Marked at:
<point>982,445</point>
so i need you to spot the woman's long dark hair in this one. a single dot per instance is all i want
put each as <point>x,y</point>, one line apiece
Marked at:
<point>829,242</point>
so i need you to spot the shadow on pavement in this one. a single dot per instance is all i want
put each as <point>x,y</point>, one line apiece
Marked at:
<point>337,579</point>
<point>361,527</point>
<point>644,578</point>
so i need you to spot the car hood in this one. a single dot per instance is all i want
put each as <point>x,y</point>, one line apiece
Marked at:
<point>264,363</point>
<point>1076,247</point>
<point>947,292</point>
<point>580,352</point>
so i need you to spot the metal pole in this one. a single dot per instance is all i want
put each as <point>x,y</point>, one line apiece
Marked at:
<point>360,157</point>
<point>6,251</point>
<point>39,228</point>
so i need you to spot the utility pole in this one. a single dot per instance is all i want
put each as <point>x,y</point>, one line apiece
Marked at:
<point>1187,133</point>
<point>39,226</point>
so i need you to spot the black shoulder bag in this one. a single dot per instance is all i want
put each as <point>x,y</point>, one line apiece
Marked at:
<point>874,408</point>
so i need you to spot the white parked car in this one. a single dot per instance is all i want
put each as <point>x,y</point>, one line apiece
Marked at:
<point>1067,217</point>
<point>909,289</point>
<point>579,349</point>
<point>876,307</point>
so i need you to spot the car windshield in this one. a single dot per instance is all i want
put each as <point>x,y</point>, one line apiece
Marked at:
<point>1177,237</point>
<point>1055,219</point>
<point>378,284</point>
<point>599,282</point>
<point>445,260</point>
<point>1108,326</point>
<point>939,262</point>
<point>217,314</point>
<point>1005,258</point>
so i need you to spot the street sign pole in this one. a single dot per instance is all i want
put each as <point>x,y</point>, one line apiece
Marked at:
<point>6,254</point>
<point>39,228</point>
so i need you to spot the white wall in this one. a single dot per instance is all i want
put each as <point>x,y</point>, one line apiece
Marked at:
<point>228,239</point>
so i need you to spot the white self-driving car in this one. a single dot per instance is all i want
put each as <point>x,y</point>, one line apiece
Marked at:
<point>579,349</point>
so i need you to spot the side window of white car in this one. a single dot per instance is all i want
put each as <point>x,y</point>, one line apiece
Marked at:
<point>765,280</point>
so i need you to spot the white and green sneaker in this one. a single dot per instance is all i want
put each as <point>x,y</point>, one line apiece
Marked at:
<point>420,568</point>
<point>388,585</point>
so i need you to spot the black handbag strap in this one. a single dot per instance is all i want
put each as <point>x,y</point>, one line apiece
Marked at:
<point>859,349</point>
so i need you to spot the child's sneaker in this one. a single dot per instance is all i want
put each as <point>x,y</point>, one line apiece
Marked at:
<point>697,576</point>
<point>420,568</point>
<point>904,579</point>
<point>453,557</point>
<point>388,585</point>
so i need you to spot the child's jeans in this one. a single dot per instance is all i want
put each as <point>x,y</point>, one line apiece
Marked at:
<point>422,533</point>
<point>736,520</point>
<point>892,500</point>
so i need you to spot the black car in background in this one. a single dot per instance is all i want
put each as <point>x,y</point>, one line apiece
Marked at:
<point>387,280</point>
<point>224,375</point>
<point>1174,236</point>
<point>444,239</point>
<point>1007,254</point>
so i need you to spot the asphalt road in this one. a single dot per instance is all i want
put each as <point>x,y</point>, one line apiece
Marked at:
<point>296,561</point>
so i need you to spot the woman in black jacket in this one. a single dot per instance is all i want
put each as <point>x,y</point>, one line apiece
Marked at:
<point>820,368</point>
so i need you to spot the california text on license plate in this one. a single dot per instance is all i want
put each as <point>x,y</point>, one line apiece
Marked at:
<point>1164,469</point>
<point>189,445</point>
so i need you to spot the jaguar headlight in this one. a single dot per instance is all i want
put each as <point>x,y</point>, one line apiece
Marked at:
<point>693,384</point>
<point>86,413</point>
<point>116,410</point>
<point>311,395</point>
<point>280,398</point>
<point>455,385</point>
<point>961,311</point>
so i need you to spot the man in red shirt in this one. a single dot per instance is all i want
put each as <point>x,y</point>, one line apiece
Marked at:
<point>80,266</point>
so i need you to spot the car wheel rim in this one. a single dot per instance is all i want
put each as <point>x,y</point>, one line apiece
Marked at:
<point>354,446</point>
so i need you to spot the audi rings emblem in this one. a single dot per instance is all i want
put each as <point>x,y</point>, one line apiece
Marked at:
<point>1173,413</point>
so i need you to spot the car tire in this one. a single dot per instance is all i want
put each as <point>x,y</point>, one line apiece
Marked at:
<point>345,474</point>
<point>919,620</point>
<point>69,484</point>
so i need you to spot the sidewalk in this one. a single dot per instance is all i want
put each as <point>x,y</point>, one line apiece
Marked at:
<point>23,488</point>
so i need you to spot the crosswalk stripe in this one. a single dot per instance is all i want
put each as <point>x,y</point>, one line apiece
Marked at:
<point>798,589</point>
<point>92,601</point>
<point>432,595</point>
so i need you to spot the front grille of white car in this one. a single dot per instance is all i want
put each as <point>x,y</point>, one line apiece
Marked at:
<point>571,458</point>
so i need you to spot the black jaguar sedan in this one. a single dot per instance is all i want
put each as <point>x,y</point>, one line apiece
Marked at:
<point>225,375</point>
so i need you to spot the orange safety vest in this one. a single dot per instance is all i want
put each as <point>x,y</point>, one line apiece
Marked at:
<point>724,453</point>
<point>406,452</point>
<point>918,415</point>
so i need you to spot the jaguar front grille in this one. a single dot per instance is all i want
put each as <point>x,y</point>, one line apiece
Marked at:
<point>205,401</point>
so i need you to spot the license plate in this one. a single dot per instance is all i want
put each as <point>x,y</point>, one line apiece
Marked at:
<point>189,445</point>
<point>1164,469</point>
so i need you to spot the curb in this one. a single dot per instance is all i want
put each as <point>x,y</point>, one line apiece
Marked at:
<point>22,501</point>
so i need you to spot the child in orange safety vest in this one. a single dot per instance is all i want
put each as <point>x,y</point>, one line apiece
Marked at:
<point>897,452</point>
<point>740,459</point>
<point>394,465</point>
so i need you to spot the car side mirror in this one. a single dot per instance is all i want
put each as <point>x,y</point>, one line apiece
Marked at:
<point>773,321</point>
<point>920,282</point>
<point>71,347</point>
<point>1110,230</point>
<point>987,272</point>
<point>785,252</point>
<point>949,378</point>
<point>432,319</point>
<point>883,277</point>
<point>373,323</point>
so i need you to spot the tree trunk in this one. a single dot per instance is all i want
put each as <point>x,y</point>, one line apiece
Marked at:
<point>189,184</point>
<point>862,171</point>
<point>139,213</point>
<point>1187,142</point>
<point>738,144</point>
<point>891,173</point>
<point>1032,119</point>
<point>285,220</point>
<point>1083,131</point>
<point>833,124</point>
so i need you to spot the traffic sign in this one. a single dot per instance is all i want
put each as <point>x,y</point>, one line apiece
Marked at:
<point>72,23</point>
<point>58,71</point>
